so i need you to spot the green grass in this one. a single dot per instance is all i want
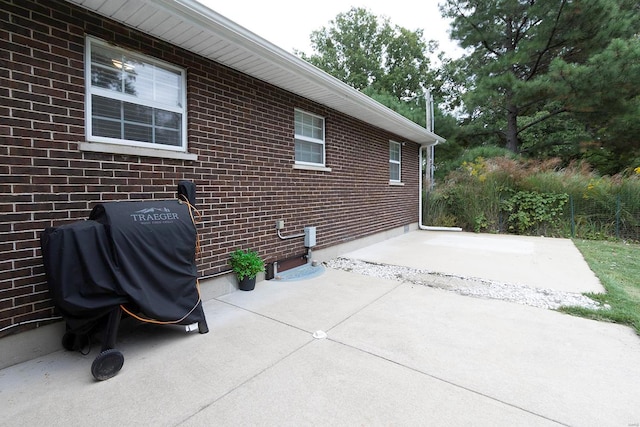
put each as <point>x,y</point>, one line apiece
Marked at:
<point>616,265</point>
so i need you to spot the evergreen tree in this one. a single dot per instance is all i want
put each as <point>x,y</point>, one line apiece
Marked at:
<point>520,70</point>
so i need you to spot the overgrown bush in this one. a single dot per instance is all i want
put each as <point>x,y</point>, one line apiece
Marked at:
<point>469,156</point>
<point>530,212</point>
<point>507,194</point>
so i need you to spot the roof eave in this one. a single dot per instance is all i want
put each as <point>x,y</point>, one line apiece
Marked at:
<point>295,74</point>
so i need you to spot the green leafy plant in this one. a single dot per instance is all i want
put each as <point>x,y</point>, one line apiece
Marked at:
<point>530,210</point>
<point>246,263</point>
<point>528,196</point>
<point>480,223</point>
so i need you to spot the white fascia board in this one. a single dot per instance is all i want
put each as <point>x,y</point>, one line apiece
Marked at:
<point>208,20</point>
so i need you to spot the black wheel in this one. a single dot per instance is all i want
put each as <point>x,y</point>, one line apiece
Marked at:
<point>107,364</point>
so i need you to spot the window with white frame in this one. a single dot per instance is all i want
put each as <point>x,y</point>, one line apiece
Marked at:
<point>309,138</point>
<point>394,161</point>
<point>133,99</point>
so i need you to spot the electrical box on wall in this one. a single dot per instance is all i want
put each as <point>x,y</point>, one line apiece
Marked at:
<point>309,237</point>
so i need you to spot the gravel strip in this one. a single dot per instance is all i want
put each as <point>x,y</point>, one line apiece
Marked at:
<point>480,288</point>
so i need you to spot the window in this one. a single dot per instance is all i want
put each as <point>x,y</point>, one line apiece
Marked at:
<point>394,161</point>
<point>309,138</point>
<point>134,100</point>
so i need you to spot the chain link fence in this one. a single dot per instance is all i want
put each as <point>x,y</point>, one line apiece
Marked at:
<point>618,217</point>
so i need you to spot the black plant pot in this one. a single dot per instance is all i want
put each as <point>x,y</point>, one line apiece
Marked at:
<point>247,283</point>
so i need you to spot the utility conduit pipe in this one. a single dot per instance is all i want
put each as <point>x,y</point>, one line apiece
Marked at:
<point>290,237</point>
<point>309,240</point>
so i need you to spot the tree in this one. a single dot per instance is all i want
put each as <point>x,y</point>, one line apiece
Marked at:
<point>513,45</point>
<point>367,52</point>
<point>604,94</point>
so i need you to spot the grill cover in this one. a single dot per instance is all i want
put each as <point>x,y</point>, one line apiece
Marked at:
<point>136,253</point>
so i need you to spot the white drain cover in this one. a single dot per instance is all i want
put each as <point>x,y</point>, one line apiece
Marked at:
<point>319,335</point>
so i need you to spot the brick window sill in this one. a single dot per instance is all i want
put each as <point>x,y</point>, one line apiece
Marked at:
<point>312,168</point>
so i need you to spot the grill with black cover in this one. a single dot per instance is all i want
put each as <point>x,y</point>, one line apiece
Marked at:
<point>138,255</point>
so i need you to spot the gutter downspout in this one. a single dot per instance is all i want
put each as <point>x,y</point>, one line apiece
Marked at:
<point>420,225</point>
<point>429,119</point>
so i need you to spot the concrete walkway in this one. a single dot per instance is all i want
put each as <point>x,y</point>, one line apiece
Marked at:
<point>395,353</point>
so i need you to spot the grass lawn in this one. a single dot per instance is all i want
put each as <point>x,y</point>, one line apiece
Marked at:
<point>617,266</point>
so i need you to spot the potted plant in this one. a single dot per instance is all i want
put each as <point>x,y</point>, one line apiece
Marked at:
<point>246,265</point>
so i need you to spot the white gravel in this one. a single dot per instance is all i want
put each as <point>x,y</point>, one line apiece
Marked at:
<point>470,286</point>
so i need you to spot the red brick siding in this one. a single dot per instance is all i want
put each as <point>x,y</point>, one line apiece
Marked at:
<point>240,128</point>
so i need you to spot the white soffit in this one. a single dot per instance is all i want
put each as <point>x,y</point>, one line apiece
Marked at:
<point>198,29</point>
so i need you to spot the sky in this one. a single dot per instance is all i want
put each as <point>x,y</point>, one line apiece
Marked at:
<point>288,23</point>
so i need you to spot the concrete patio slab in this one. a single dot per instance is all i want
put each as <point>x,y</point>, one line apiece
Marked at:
<point>319,303</point>
<point>167,376</point>
<point>395,354</point>
<point>330,384</point>
<point>575,371</point>
<point>540,262</point>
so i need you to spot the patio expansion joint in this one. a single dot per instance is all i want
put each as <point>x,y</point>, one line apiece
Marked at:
<point>451,383</point>
<point>246,381</point>
<point>311,332</point>
<point>263,316</point>
<point>336,341</point>
<point>288,355</point>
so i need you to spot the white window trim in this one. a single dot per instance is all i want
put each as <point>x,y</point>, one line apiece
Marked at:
<point>396,162</point>
<point>132,146</point>
<point>313,140</point>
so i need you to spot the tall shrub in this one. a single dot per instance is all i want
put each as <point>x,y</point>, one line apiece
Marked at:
<point>531,212</point>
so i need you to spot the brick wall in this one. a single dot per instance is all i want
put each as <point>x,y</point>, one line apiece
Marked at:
<point>240,128</point>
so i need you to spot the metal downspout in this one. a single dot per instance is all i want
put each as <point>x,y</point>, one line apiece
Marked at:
<point>420,225</point>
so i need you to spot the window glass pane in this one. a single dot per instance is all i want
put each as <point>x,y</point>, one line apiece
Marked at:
<point>104,55</point>
<point>167,77</point>
<point>394,171</point>
<point>106,128</point>
<point>131,86</point>
<point>138,113</point>
<point>394,151</point>
<point>168,137</point>
<point>141,70</point>
<point>106,78</point>
<point>106,68</point>
<point>309,126</point>
<point>309,152</point>
<point>167,95</point>
<point>128,74</point>
<point>135,132</point>
<point>317,128</point>
<point>139,80</point>
<point>125,120</point>
<point>168,119</point>
<point>306,125</point>
<point>105,107</point>
<point>106,117</point>
<point>138,87</point>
